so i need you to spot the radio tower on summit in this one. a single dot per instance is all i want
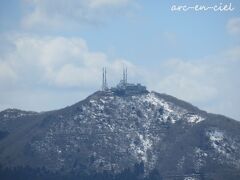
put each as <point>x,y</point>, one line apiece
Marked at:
<point>124,80</point>
<point>104,80</point>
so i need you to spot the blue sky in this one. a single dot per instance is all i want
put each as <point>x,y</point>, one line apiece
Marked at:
<point>51,52</point>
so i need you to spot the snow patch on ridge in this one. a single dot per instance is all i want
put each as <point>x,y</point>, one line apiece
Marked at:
<point>176,113</point>
<point>225,146</point>
<point>216,138</point>
<point>140,150</point>
<point>151,98</point>
<point>195,118</point>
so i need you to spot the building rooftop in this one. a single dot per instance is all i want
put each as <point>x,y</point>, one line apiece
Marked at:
<point>123,87</point>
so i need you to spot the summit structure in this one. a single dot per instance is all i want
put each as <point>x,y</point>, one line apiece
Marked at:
<point>104,79</point>
<point>125,88</point>
<point>124,80</point>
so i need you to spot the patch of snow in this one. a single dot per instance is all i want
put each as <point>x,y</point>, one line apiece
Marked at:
<point>103,101</point>
<point>180,163</point>
<point>152,99</point>
<point>199,159</point>
<point>190,178</point>
<point>193,118</point>
<point>140,150</point>
<point>225,146</point>
<point>216,136</point>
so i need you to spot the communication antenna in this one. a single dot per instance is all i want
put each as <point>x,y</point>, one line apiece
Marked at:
<point>106,86</point>
<point>126,76</point>
<point>123,80</point>
<point>104,79</point>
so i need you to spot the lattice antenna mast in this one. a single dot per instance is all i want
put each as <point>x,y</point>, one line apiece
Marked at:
<point>104,79</point>
<point>126,75</point>
<point>123,80</point>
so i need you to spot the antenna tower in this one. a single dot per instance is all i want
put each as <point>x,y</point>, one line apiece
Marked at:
<point>124,75</point>
<point>104,79</point>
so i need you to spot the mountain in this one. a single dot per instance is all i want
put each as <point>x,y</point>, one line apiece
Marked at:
<point>118,132</point>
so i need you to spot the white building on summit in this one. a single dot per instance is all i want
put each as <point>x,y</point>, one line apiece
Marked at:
<point>123,87</point>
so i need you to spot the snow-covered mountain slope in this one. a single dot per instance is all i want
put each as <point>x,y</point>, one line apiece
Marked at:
<point>112,132</point>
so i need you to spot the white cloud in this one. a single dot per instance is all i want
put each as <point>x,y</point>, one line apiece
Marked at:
<point>103,3</point>
<point>6,73</point>
<point>63,13</point>
<point>48,65</point>
<point>233,26</point>
<point>56,61</point>
<point>212,83</point>
<point>43,73</point>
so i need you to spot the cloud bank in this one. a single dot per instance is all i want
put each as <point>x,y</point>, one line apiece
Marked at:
<point>64,13</point>
<point>45,68</point>
<point>56,61</point>
<point>55,64</point>
<point>212,83</point>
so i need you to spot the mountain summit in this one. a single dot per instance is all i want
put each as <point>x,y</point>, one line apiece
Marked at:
<point>119,129</point>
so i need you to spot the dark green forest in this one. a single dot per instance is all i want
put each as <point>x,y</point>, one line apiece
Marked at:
<point>28,173</point>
